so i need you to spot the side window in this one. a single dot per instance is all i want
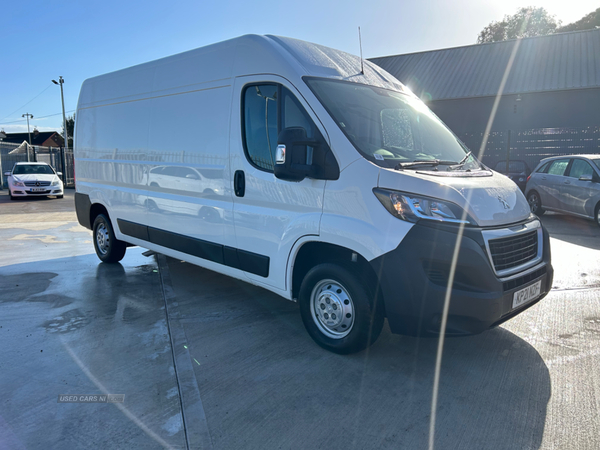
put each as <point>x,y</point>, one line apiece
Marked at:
<point>558,167</point>
<point>268,109</point>
<point>260,124</point>
<point>580,167</point>
<point>544,168</point>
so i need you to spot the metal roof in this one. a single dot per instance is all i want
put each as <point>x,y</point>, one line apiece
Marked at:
<point>546,63</point>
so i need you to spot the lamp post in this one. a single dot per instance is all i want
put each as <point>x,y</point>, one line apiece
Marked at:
<point>29,116</point>
<point>62,98</point>
<point>66,133</point>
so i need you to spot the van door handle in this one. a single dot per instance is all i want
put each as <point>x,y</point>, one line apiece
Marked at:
<point>239,183</point>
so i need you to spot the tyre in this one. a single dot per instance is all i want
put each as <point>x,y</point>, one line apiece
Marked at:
<point>340,313</point>
<point>59,196</point>
<point>108,248</point>
<point>11,196</point>
<point>597,215</point>
<point>535,203</point>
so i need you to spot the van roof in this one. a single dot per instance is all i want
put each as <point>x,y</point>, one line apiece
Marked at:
<point>244,55</point>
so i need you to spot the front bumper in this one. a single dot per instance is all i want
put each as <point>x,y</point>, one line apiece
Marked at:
<point>413,279</point>
<point>18,191</point>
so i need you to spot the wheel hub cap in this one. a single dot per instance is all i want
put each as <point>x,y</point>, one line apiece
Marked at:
<point>332,309</point>
<point>102,238</point>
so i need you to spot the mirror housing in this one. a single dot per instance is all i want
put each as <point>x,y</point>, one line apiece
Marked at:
<point>7,174</point>
<point>298,157</point>
<point>59,174</point>
<point>586,178</point>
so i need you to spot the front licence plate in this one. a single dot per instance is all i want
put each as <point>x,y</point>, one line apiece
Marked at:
<point>37,189</point>
<point>527,294</point>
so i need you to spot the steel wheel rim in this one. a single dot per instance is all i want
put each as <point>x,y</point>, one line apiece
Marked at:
<point>102,239</point>
<point>332,309</point>
<point>533,202</point>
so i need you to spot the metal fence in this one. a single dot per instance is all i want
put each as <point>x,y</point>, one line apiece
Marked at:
<point>59,158</point>
<point>534,144</point>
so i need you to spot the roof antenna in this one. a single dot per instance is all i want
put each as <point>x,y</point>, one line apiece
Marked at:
<point>361,58</point>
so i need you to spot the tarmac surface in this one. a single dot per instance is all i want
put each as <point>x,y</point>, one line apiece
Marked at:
<point>204,361</point>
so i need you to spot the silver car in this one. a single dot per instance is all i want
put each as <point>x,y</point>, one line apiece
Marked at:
<point>567,184</point>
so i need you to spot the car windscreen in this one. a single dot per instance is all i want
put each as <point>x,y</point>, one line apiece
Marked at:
<point>22,169</point>
<point>387,127</point>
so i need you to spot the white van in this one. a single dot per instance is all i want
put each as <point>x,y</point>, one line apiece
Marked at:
<point>312,174</point>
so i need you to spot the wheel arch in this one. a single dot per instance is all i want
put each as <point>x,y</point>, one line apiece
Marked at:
<point>312,253</point>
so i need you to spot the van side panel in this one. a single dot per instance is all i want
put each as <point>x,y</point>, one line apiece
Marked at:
<point>188,181</point>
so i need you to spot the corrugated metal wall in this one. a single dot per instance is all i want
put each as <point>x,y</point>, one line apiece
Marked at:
<point>547,63</point>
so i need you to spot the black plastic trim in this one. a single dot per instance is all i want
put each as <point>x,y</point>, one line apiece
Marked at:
<point>238,259</point>
<point>83,207</point>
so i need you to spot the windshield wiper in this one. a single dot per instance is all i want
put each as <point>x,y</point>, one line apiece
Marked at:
<point>424,162</point>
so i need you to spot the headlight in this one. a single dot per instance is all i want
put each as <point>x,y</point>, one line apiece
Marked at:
<point>55,183</point>
<point>18,183</point>
<point>412,207</point>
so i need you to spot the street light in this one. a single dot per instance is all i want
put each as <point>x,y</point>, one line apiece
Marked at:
<point>62,97</point>
<point>29,116</point>
<point>66,134</point>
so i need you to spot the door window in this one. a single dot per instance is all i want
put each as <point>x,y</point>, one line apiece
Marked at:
<point>268,109</point>
<point>558,167</point>
<point>580,167</point>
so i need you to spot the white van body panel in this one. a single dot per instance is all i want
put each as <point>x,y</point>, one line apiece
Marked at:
<point>351,218</point>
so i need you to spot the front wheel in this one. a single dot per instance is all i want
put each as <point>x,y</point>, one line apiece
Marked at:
<point>340,313</point>
<point>597,215</point>
<point>108,248</point>
<point>535,203</point>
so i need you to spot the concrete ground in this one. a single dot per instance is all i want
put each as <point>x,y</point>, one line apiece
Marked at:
<point>205,361</point>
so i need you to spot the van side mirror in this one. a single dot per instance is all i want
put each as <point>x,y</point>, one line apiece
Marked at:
<point>586,178</point>
<point>298,157</point>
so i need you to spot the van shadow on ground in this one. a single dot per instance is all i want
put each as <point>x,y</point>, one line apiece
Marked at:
<point>265,384</point>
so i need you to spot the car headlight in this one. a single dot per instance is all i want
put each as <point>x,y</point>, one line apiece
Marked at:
<point>413,207</point>
<point>18,183</point>
<point>55,183</point>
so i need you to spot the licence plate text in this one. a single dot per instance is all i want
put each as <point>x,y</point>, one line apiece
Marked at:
<point>527,294</point>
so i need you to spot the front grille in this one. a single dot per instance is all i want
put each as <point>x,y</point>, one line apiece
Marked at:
<point>513,251</point>
<point>35,183</point>
<point>521,281</point>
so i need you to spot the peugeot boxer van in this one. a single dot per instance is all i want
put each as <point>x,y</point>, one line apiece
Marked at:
<point>315,175</point>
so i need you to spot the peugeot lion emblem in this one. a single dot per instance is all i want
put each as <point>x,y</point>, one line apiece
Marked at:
<point>503,202</point>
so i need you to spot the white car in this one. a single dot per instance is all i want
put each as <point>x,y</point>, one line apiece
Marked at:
<point>34,179</point>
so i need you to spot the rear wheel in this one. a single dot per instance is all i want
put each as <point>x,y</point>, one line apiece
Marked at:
<point>339,312</point>
<point>108,248</point>
<point>535,203</point>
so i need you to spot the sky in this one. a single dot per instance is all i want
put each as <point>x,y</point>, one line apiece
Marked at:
<point>42,40</point>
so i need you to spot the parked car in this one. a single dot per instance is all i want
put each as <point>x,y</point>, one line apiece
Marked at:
<point>334,186</point>
<point>518,171</point>
<point>566,184</point>
<point>33,179</point>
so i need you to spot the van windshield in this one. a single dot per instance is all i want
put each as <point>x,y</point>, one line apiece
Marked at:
<point>388,127</point>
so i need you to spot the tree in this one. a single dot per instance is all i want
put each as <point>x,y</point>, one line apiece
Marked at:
<point>527,22</point>
<point>589,22</point>
<point>70,129</point>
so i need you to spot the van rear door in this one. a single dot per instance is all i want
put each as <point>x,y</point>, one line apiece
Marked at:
<point>270,215</point>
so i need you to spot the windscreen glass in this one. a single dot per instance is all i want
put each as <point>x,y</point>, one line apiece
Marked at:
<point>388,127</point>
<point>42,169</point>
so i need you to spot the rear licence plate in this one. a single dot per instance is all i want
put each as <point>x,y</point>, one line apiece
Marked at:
<point>527,294</point>
<point>37,189</point>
